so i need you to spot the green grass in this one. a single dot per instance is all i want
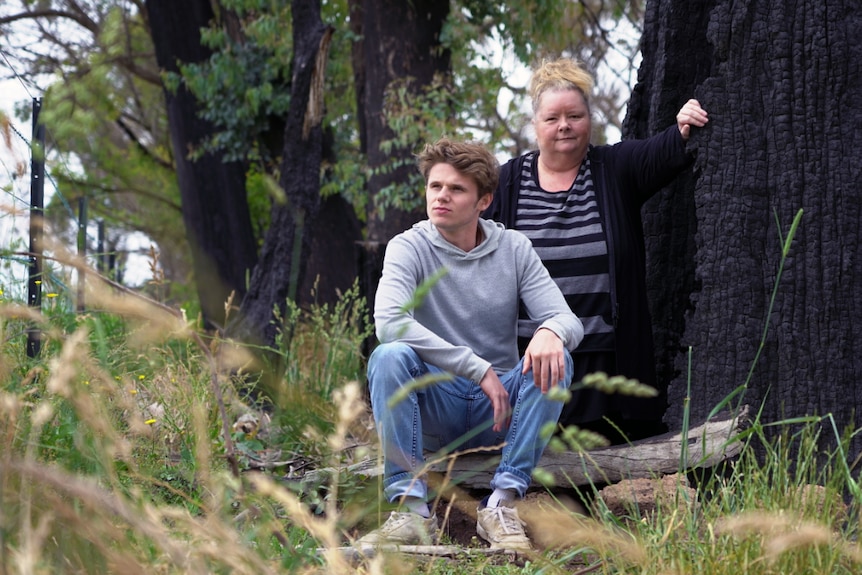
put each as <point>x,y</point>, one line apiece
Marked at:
<point>122,452</point>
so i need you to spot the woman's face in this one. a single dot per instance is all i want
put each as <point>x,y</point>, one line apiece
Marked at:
<point>562,123</point>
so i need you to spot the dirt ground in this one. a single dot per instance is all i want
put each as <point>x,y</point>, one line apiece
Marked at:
<point>458,518</point>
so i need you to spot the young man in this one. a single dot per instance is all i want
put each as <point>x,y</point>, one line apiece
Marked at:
<point>464,326</point>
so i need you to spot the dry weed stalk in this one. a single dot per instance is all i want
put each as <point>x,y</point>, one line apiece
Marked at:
<point>97,399</point>
<point>145,520</point>
<point>157,323</point>
<point>350,407</point>
<point>191,544</point>
<point>782,532</point>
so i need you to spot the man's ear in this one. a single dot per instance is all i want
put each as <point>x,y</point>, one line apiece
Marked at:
<point>485,201</point>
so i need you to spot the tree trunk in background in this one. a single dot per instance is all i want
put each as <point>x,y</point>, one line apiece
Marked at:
<point>782,84</point>
<point>214,205</point>
<point>399,40</point>
<point>280,272</point>
<point>331,268</point>
<point>668,76</point>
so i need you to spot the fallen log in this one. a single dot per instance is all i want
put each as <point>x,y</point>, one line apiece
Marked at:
<point>707,444</point>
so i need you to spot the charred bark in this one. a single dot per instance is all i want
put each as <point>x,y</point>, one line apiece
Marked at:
<point>214,206</point>
<point>282,266</point>
<point>399,41</point>
<point>781,82</point>
<point>666,79</point>
<point>331,268</point>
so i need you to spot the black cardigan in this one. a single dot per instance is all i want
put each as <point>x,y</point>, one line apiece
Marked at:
<point>625,175</point>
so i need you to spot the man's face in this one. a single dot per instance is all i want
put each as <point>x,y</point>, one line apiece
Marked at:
<point>452,201</point>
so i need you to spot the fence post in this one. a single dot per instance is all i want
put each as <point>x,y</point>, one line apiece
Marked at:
<point>82,251</point>
<point>37,205</point>
<point>100,248</point>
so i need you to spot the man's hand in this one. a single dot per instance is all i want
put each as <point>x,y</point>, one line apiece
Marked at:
<point>545,355</point>
<point>499,397</point>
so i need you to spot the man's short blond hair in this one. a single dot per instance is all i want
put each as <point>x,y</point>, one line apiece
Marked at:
<point>470,158</point>
<point>560,74</point>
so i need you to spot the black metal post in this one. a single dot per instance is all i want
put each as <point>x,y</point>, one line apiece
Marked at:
<point>82,251</point>
<point>37,208</point>
<point>100,248</point>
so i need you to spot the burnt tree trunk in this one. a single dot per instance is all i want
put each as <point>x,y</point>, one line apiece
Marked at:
<point>400,41</point>
<point>782,84</point>
<point>396,42</point>
<point>331,268</point>
<point>214,205</point>
<point>281,269</point>
<point>666,79</point>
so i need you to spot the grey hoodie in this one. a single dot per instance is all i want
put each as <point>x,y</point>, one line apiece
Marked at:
<point>468,319</point>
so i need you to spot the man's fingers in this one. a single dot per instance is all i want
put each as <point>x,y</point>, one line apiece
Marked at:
<point>501,418</point>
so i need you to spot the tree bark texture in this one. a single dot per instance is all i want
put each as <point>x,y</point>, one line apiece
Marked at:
<point>214,205</point>
<point>331,268</point>
<point>281,269</point>
<point>399,41</point>
<point>782,84</point>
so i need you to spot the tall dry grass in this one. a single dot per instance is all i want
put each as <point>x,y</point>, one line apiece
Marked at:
<point>121,454</point>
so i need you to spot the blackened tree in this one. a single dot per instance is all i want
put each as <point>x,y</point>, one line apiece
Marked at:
<point>399,48</point>
<point>782,84</point>
<point>214,205</point>
<point>288,241</point>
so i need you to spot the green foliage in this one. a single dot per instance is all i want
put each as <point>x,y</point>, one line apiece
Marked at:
<point>316,351</point>
<point>107,140</point>
<point>414,118</point>
<point>518,24</point>
<point>259,200</point>
<point>244,90</point>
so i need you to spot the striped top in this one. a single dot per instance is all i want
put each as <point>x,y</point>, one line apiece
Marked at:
<point>567,233</point>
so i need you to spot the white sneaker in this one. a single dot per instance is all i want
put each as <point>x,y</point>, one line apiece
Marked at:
<point>502,528</point>
<point>403,529</point>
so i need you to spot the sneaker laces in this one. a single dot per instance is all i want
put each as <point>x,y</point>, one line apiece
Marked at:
<point>509,520</point>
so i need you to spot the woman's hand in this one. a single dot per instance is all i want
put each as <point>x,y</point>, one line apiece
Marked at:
<point>691,114</point>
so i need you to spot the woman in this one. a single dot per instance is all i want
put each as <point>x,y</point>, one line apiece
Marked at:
<point>580,205</point>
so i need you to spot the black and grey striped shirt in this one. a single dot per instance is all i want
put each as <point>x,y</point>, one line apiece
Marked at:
<point>566,231</point>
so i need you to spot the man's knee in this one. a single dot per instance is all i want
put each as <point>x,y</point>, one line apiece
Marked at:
<point>390,362</point>
<point>386,353</point>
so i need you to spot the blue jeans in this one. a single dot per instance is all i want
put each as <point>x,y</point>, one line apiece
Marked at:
<point>453,415</point>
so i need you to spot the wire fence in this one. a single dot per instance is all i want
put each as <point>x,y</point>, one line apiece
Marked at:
<point>24,161</point>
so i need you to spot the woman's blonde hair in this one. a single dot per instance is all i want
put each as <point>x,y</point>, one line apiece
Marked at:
<point>560,74</point>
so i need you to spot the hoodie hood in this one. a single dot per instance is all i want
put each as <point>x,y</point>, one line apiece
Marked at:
<point>492,232</point>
